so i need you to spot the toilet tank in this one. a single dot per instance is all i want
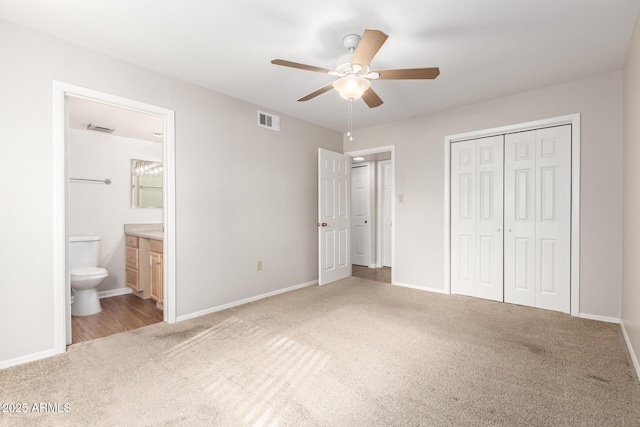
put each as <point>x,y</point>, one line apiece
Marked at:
<point>84,251</point>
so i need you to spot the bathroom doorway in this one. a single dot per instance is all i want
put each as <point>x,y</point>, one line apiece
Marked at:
<point>372,213</point>
<point>71,104</point>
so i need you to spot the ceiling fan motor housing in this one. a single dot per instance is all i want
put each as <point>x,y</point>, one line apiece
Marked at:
<point>350,42</point>
<point>343,65</point>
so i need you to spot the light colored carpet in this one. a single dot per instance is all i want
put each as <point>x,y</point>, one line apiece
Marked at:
<point>352,353</point>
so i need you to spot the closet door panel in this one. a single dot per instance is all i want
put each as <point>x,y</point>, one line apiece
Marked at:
<point>520,218</point>
<point>489,245</point>
<point>476,218</point>
<point>553,218</point>
<point>463,218</point>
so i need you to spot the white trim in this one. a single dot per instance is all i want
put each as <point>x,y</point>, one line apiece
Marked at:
<point>632,353</point>
<point>61,286</point>
<point>575,214</point>
<point>447,215</point>
<point>114,292</point>
<point>384,149</point>
<point>420,288</point>
<point>380,210</point>
<point>28,358</point>
<point>60,189</point>
<point>607,319</point>
<point>571,119</point>
<point>244,301</point>
<point>170,290</point>
<point>519,127</point>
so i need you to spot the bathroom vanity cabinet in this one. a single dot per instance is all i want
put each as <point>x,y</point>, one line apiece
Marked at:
<point>144,267</point>
<point>133,265</point>
<point>155,272</point>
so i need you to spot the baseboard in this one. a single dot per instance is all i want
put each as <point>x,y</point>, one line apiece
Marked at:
<point>615,320</point>
<point>115,292</point>
<point>634,358</point>
<point>421,288</point>
<point>28,358</point>
<point>244,301</point>
<point>112,293</point>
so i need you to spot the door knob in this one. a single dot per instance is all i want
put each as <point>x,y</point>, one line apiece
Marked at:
<point>323,224</point>
<point>365,221</point>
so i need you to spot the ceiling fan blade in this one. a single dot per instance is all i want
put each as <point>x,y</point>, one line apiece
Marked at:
<point>299,66</point>
<point>409,73</point>
<point>371,98</point>
<point>370,43</point>
<point>315,93</point>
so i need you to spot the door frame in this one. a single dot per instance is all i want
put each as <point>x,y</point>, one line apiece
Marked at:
<point>392,150</point>
<point>571,119</point>
<point>61,284</point>
<point>380,212</point>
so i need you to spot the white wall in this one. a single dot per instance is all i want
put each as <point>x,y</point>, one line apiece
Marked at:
<point>229,214</point>
<point>631,214</point>
<point>96,209</point>
<point>419,257</point>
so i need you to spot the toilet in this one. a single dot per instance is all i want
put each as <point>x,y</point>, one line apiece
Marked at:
<point>86,276</point>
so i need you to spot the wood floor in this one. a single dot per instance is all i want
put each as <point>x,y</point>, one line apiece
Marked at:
<point>119,314</point>
<point>377,274</point>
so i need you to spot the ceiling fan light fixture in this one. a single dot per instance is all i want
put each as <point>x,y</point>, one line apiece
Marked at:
<point>351,87</point>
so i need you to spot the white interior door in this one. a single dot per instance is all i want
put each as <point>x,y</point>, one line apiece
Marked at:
<point>387,200</point>
<point>477,218</point>
<point>360,215</point>
<point>333,216</point>
<point>463,218</point>
<point>538,218</point>
<point>553,219</point>
<point>489,203</point>
<point>520,218</point>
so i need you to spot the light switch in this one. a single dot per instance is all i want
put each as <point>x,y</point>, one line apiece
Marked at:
<point>400,198</point>
<point>259,267</point>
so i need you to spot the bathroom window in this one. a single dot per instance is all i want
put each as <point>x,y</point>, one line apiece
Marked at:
<point>146,184</point>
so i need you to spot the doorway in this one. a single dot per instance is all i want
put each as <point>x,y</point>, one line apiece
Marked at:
<point>111,149</point>
<point>372,213</point>
<point>62,306</point>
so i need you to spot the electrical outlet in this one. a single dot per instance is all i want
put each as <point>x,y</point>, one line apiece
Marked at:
<point>259,267</point>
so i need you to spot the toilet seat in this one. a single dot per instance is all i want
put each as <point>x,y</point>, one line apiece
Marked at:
<point>88,271</point>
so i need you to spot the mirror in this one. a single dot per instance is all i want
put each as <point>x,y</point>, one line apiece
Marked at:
<point>146,184</point>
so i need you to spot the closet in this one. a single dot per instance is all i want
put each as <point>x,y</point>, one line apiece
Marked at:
<point>511,218</point>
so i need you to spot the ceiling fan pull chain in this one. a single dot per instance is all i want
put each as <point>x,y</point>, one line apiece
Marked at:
<point>350,120</point>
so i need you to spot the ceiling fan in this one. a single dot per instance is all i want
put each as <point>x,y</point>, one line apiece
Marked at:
<point>355,73</point>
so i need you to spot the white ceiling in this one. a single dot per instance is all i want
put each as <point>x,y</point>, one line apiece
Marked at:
<point>127,123</point>
<point>485,49</point>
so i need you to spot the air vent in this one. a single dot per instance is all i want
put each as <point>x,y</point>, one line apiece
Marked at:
<point>268,121</point>
<point>91,126</point>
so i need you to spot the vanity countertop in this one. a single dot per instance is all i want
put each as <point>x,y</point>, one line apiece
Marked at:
<point>147,234</point>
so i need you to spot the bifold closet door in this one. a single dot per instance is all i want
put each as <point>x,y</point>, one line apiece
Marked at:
<point>537,214</point>
<point>477,218</point>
